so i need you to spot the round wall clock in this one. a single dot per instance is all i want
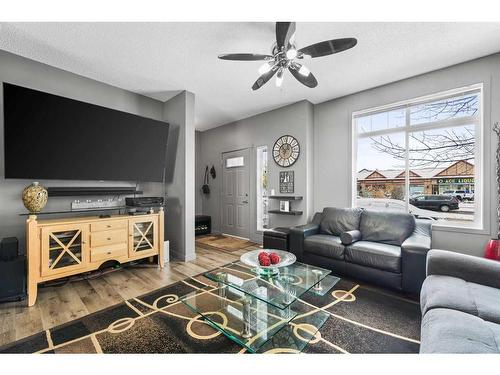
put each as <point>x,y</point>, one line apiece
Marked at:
<point>286,151</point>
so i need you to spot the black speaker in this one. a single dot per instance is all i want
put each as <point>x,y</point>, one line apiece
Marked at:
<point>13,279</point>
<point>9,248</point>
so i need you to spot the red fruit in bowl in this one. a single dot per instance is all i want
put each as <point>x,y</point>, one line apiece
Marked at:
<point>274,258</point>
<point>263,254</point>
<point>265,261</point>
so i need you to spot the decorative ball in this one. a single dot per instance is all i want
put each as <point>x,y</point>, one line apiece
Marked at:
<point>265,261</point>
<point>275,258</point>
<point>35,197</point>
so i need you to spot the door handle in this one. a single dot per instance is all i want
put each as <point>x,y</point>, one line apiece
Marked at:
<point>244,202</point>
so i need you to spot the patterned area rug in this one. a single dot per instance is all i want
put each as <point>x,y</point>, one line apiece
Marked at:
<point>361,319</point>
<point>225,243</point>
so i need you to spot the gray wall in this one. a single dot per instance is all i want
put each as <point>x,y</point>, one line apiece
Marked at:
<point>180,176</point>
<point>323,172</point>
<point>259,130</point>
<point>332,141</point>
<point>18,70</point>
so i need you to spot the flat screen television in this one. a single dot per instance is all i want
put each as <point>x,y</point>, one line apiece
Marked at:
<point>51,137</point>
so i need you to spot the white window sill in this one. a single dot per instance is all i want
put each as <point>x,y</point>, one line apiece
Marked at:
<point>458,229</point>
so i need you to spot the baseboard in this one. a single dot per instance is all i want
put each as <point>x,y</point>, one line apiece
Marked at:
<point>178,256</point>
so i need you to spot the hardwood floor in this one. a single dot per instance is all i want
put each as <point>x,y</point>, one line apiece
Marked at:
<point>60,304</point>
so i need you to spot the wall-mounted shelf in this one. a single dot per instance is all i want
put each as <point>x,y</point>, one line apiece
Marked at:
<point>76,211</point>
<point>286,197</point>
<point>97,209</point>
<point>278,212</point>
<point>85,191</point>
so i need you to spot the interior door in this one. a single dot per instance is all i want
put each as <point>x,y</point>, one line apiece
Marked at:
<point>235,193</point>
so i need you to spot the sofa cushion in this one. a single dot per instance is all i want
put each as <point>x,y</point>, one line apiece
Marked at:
<point>324,245</point>
<point>452,331</point>
<point>390,227</point>
<point>375,255</point>
<point>338,220</point>
<point>450,292</point>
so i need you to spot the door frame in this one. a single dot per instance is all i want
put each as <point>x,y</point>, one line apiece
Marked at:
<point>251,191</point>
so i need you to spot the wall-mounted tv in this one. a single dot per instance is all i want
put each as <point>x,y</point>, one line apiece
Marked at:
<point>51,137</point>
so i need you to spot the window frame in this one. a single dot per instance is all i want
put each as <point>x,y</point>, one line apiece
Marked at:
<point>257,183</point>
<point>479,214</point>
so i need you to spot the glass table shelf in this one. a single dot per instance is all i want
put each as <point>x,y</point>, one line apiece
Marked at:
<point>325,286</point>
<point>279,290</point>
<point>264,313</point>
<point>248,321</point>
<point>296,335</point>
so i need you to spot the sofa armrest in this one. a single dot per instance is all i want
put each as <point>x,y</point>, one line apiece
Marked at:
<point>350,236</point>
<point>467,267</point>
<point>414,255</point>
<point>297,236</point>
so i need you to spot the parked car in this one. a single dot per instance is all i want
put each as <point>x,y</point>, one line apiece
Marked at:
<point>443,203</point>
<point>461,195</point>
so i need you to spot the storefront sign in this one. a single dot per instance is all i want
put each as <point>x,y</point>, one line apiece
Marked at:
<point>464,180</point>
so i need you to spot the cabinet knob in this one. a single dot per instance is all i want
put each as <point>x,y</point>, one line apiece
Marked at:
<point>109,239</point>
<point>109,252</point>
<point>108,226</point>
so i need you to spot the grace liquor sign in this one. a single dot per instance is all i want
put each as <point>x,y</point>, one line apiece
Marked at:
<point>463,180</point>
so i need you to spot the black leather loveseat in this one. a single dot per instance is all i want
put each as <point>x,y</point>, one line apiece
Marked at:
<point>383,248</point>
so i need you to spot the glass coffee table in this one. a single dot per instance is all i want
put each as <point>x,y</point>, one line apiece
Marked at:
<point>263,313</point>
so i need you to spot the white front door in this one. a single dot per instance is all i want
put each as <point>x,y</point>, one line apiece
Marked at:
<point>235,190</point>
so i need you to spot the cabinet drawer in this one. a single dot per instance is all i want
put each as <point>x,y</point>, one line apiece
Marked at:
<point>108,237</point>
<point>108,225</point>
<point>108,252</point>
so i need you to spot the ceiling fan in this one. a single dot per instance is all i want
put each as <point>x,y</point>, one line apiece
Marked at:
<point>285,55</point>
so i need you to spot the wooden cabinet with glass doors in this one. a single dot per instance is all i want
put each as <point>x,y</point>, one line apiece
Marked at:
<point>64,247</point>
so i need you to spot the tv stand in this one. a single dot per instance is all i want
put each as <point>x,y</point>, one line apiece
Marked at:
<point>58,248</point>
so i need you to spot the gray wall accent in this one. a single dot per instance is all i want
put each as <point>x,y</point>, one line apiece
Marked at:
<point>263,129</point>
<point>24,72</point>
<point>332,141</point>
<point>180,176</point>
<point>199,174</point>
<point>324,170</point>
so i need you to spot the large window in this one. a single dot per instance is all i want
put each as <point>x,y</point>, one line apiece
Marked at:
<point>422,156</point>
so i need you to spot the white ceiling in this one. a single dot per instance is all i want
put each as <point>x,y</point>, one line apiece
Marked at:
<point>160,59</point>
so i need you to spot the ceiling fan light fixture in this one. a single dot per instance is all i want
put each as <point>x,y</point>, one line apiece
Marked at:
<point>279,78</point>
<point>285,56</point>
<point>304,71</point>
<point>264,68</point>
<point>291,54</point>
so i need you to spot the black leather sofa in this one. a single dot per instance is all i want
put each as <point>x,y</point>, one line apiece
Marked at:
<point>384,248</point>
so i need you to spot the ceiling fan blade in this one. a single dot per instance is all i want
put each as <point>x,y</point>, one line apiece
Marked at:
<point>284,31</point>
<point>244,56</point>
<point>261,81</point>
<point>329,47</point>
<point>307,80</point>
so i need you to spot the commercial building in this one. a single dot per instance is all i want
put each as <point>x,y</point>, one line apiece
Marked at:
<point>457,176</point>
